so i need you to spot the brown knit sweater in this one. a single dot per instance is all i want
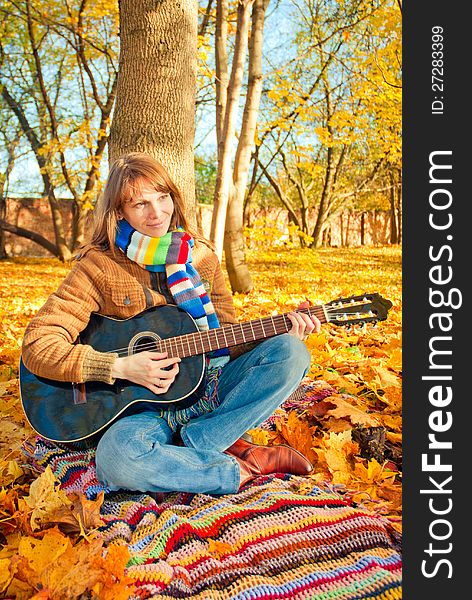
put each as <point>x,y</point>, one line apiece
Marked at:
<point>114,286</point>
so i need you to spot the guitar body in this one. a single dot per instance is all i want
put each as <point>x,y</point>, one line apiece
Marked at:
<point>65,412</point>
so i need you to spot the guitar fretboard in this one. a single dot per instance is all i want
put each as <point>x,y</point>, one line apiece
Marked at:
<point>202,342</point>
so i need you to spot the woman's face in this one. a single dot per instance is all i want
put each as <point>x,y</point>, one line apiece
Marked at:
<point>148,211</point>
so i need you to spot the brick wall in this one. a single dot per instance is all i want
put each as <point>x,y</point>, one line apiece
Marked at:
<point>35,214</point>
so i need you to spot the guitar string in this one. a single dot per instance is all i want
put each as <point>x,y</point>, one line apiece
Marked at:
<point>257,327</point>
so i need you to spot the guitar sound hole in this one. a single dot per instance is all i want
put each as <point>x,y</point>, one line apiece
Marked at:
<point>145,343</point>
<point>148,343</point>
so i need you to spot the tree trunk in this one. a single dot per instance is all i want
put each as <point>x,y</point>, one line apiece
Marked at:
<point>323,208</point>
<point>80,221</point>
<point>63,250</point>
<point>348,227</point>
<point>227,128</point>
<point>221,63</point>
<point>395,208</point>
<point>155,100</point>
<point>3,214</point>
<point>234,243</point>
<point>393,212</point>
<point>399,208</point>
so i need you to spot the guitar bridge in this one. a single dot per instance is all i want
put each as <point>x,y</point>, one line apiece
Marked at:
<point>80,395</point>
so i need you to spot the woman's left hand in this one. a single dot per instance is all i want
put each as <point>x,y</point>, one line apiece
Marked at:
<point>303,324</point>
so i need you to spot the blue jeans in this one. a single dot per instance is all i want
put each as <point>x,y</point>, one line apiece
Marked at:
<point>137,452</point>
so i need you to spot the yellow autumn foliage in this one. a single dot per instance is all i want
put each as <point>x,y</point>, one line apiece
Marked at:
<point>51,550</point>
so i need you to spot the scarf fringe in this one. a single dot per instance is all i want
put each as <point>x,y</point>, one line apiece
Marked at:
<point>207,403</point>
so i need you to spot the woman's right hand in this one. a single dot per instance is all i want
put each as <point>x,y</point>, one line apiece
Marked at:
<point>148,369</point>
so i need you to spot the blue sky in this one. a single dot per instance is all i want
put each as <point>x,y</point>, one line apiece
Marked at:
<point>278,35</point>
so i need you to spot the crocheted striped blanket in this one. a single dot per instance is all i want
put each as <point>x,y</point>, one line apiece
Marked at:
<point>280,537</point>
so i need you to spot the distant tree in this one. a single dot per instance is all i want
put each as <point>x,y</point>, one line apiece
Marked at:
<point>10,146</point>
<point>58,80</point>
<point>232,177</point>
<point>331,126</point>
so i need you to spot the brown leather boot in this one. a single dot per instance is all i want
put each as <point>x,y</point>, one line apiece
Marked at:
<point>263,460</point>
<point>246,473</point>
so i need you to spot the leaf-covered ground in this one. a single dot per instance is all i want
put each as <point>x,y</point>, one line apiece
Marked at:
<point>48,545</point>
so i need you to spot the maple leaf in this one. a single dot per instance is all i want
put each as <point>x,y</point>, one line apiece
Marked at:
<point>319,409</point>
<point>79,517</point>
<point>395,438</point>
<point>12,516</point>
<point>345,409</point>
<point>46,499</point>
<point>298,434</point>
<point>339,452</point>
<point>13,434</point>
<point>341,382</point>
<point>395,360</point>
<point>10,471</point>
<point>336,425</point>
<point>86,512</point>
<point>6,373</point>
<point>259,436</point>
<point>54,564</point>
<point>374,476</point>
<point>393,397</point>
<point>113,583</point>
<point>384,377</point>
<point>393,494</point>
<point>5,575</point>
<point>218,549</point>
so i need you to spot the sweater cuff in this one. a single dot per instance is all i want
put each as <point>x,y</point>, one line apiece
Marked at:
<point>98,365</point>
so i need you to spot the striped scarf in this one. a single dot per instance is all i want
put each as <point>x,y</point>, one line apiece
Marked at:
<point>172,253</point>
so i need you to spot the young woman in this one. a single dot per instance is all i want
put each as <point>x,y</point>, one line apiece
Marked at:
<point>141,254</point>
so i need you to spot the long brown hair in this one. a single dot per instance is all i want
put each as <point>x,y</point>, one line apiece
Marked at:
<point>122,181</point>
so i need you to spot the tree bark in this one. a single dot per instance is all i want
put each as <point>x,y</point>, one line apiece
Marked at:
<point>221,64</point>
<point>4,177</point>
<point>399,207</point>
<point>227,126</point>
<point>234,243</point>
<point>395,208</point>
<point>155,100</point>
<point>3,213</point>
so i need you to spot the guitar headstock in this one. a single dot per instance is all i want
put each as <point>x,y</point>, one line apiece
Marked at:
<point>368,308</point>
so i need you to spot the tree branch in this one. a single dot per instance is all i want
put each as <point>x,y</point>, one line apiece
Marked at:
<point>30,235</point>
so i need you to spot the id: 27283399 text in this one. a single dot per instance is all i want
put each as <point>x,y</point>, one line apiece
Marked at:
<point>437,69</point>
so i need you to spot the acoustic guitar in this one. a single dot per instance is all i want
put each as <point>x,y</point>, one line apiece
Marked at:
<point>70,412</point>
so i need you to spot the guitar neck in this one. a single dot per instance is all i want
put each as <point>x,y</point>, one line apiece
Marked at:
<point>231,335</point>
